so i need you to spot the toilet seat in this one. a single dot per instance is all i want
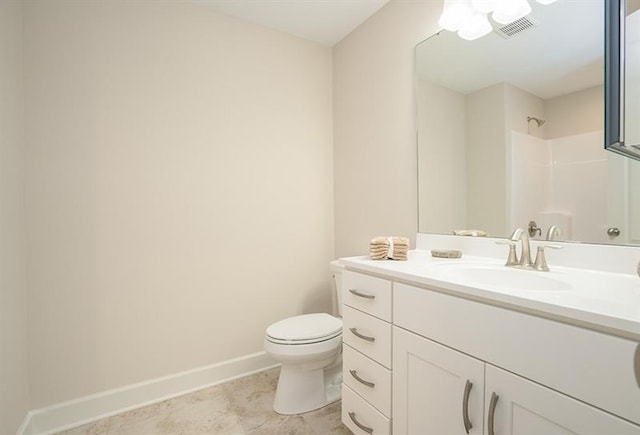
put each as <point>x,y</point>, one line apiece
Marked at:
<point>304,329</point>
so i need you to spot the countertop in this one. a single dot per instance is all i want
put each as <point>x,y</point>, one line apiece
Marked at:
<point>590,302</point>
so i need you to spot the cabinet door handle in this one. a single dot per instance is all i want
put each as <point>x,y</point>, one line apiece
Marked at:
<point>492,412</point>
<point>465,406</point>
<point>360,294</point>
<point>636,364</point>
<point>359,379</point>
<point>355,332</point>
<point>352,416</point>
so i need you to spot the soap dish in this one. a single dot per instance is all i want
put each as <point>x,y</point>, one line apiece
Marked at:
<point>446,253</point>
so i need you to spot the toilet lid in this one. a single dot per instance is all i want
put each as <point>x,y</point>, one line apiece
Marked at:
<point>305,328</point>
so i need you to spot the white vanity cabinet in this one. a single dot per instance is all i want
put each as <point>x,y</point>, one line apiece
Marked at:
<point>535,367</point>
<point>438,390</point>
<point>446,364</point>
<point>521,406</point>
<point>366,389</point>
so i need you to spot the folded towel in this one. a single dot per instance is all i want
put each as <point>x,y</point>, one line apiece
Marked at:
<point>386,257</point>
<point>388,248</point>
<point>387,244</point>
<point>399,241</point>
<point>472,233</point>
<point>394,256</point>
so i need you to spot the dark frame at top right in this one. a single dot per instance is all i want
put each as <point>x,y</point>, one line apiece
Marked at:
<point>615,55</point>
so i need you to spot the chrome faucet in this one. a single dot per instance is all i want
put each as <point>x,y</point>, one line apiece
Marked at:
<point>525,254</point>
<point>553,232</point>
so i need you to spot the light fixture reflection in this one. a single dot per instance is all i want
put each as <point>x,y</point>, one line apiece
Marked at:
<point>484,6</point>
<point>475,27</point>
<point>507,11</point>
<point>469,17</point>
<point>455,14</point>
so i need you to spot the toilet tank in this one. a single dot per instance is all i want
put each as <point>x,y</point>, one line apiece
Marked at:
<point>336,267</point>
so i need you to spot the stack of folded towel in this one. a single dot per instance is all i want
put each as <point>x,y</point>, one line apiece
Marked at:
<point>389,248</point>
<point>472,233</point>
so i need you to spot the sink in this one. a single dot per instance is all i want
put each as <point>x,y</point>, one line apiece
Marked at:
<point>616,295</point>
<point>499,277</point>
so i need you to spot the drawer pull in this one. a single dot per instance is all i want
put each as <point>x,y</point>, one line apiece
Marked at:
<point>465,406</point>
<point>492,412</point>
<point>352,416</point>
<point>359,379</point>
<point>360,294</point>
<point>636,364</point>
<point>355,332</point>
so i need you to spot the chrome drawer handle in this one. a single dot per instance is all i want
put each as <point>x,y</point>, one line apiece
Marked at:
<point>355,332</point>
<point>359,379</point>
<point>360,294</point>
<point>492,412</point>
<point>636,363</point>
<point>352,416</point>
<point>465,406</point>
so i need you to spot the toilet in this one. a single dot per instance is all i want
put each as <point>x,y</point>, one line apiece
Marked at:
<point>309,348</point>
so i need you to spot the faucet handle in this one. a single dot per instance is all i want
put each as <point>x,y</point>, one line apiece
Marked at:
<point>552,232</point>
<point>512,260</point>
<point>541,261</point>
<point>534,228</point>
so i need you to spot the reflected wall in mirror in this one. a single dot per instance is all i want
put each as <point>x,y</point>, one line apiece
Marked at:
<point>511,130</point>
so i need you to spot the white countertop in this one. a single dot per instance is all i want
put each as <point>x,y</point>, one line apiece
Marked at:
<point>603,301</point>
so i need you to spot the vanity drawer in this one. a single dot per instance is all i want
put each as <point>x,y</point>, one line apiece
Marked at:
<point>367,293</point>
<point>367,334</point>
<point>591,366</point>
<point>360,417</point>
<point>368,378</point>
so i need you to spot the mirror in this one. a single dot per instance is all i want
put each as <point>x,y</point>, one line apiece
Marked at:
<point>622,67</point>
<point>511,130</point>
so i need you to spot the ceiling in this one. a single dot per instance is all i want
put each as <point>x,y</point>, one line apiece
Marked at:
<point>322,21</point>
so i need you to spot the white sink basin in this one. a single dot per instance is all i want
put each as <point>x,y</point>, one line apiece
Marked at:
<point>616,295</point>
<point>500,277</point>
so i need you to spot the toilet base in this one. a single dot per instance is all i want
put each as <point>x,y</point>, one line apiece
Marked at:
<point>301,391</point>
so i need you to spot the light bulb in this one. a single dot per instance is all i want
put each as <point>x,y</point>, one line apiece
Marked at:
<point>454,13</point>
<point>507,11</point>
<point>485,6</point>
<point>475,27</point>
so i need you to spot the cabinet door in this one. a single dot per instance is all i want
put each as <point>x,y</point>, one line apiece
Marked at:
<point>521,407</point>
<point>435,389</point>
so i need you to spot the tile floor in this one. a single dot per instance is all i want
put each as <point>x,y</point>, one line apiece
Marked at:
<point>239,407</point>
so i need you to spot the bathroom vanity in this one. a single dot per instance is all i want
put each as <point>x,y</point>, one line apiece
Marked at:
<point>436,346</point>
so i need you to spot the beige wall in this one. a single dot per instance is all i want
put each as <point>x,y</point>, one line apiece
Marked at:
<point>442,179</point>
<point>14,381</point>
<point>519,105</point>
<point>375,125</point>
<point>486,160</point>
<point>179,189</point>
<point>576,113</point>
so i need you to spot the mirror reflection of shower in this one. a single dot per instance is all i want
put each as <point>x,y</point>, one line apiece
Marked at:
<point>539,122</point>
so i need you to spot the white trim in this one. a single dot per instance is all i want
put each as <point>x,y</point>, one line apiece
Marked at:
<point>66,415</point>
<point>26,428</point>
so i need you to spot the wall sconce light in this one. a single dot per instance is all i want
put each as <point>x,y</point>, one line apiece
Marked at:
<point>470,17</point>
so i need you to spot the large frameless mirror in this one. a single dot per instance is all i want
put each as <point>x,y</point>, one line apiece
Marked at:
<point>511,131</point>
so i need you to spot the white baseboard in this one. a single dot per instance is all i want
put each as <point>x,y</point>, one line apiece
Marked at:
<point>66,415</point>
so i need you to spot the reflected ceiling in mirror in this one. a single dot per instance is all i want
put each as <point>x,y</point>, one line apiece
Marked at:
<point>558,51</point>
<point>510,130</point>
